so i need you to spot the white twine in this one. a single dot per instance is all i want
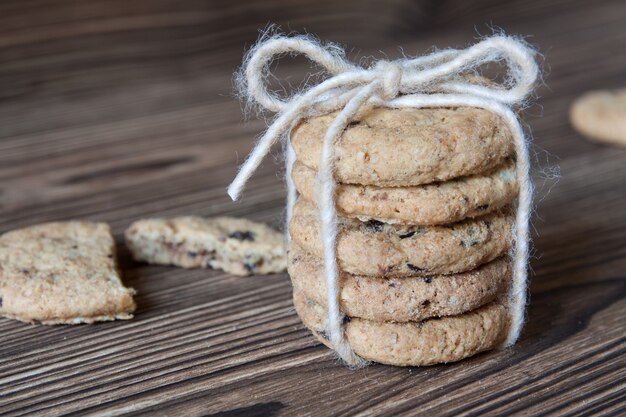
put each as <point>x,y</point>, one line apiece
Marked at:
<point>434,80</point>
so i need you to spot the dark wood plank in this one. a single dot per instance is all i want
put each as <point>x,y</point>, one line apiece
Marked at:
<point>115,110</point>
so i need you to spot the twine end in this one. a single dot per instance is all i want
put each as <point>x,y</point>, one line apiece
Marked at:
<point>233,192</point>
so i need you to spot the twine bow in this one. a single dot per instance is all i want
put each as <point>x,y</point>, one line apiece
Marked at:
<point>433,80</point>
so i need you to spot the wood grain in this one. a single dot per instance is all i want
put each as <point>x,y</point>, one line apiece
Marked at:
<point>114,110</point>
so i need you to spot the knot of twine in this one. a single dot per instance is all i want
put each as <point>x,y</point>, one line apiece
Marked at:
<point>390,73</point>
<point>434,80</point>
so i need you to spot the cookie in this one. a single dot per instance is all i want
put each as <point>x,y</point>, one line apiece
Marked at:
<point>408,147</point>
<point>431,204</point>
<point>401,299</point>
<point>601,116</point>
<point>62,273</point>
<point>239,246</point>
<point>395,250</point>
<point>428,342</point>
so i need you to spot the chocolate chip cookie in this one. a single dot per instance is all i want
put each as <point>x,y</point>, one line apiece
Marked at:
<point>408,147</point>
<point>238,246</point>
<point>395,250</point>
<point>401,299</point>
<point>431,204</point>
<point>428,342</point>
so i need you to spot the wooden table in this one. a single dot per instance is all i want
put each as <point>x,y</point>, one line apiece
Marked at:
<point>115,110</point>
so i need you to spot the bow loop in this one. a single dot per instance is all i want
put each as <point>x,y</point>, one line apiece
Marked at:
<point>256,70</point>
<point>520,61</point>
<point>438,72</point>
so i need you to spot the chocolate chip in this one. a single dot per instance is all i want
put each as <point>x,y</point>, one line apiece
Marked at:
<point>242,235</point>
<point>483,207</point>
<point>414,268</point>
<point>374,226</point>
<point>353,123</point>
<point>249,267</point>
<point>487,223</point>
<point>392,285</point>
<point>0,301</point>
<point>428,280</point>
<point>323,335</point>
<point>192,254</point>
<point>346,319</point>
<point>407,234</point>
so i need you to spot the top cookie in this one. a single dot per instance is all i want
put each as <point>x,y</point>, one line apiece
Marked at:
<point>405,147</point>
<point>239,246</point>
<point>62,273</point>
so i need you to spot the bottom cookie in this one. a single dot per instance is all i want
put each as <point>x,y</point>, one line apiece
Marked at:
<point>429,342</point>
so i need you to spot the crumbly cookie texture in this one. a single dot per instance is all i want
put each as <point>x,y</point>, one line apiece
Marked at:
<point>401,299</point>
<point>425,205</point>
<point>407,147</point>
<point>239,246</point>
<point>62,273</point>
<point>428,342</point>
<point>396,250</point>
<point>601,115</point>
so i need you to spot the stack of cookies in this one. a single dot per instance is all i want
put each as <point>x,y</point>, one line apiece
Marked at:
<point>424,230</point>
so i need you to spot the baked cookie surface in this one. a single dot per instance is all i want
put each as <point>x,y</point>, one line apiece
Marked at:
<point>401,299</point>
<point>238,246</point>
<point>407,147</point>
<point>601,116</point>
<point>431,204</point>
<point>396,250</point>
<point>62,273</point>
<point>428,342</point>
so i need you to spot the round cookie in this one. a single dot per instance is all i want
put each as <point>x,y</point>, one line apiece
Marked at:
<point>408,147</point>
<point>425,205</point>
<point>394,250</point>
<point>429,342</point>
<point>401,299</point>
<point>601,115</point>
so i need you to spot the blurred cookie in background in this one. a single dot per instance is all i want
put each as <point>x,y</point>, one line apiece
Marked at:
<point>601,116</point>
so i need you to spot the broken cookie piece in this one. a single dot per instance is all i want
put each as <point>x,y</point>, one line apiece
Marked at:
<point>239,246</point>
<point>62,273</point>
